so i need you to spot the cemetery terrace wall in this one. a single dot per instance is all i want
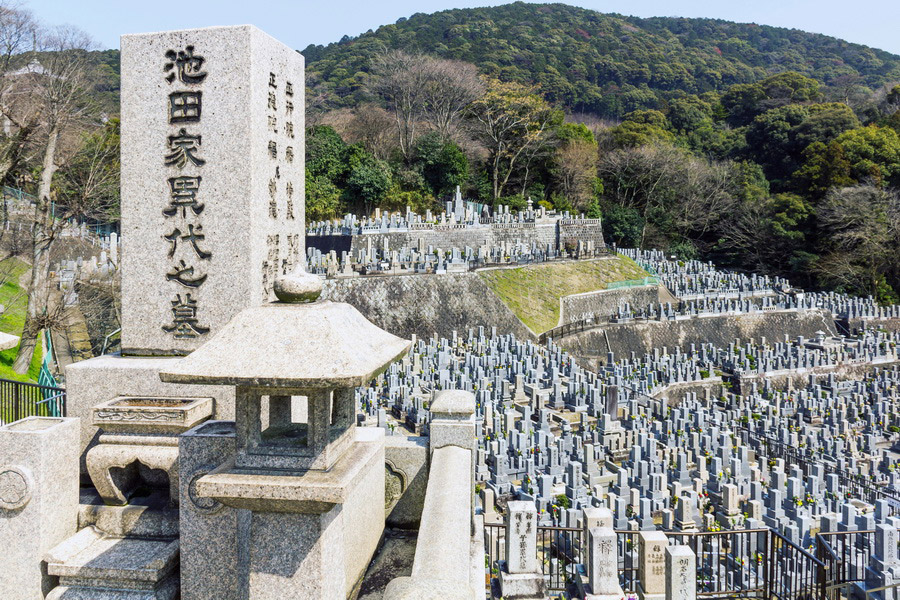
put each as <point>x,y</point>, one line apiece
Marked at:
<point>642,336</point>
<point>605,302</point>
<point>426,304</point>
<point>459,236</point>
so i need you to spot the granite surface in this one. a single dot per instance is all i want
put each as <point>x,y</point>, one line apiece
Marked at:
<point>38,500</point>
<point>242,222</point>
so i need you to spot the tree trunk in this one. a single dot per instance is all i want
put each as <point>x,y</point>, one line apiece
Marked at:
<point>42,238</point>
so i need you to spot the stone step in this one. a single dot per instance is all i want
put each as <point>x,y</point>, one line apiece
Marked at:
<point>150,516</point>
<point>94,565</point>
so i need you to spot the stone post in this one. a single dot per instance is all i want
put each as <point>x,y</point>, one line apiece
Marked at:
<point>453,424</point>
<point>522,579</point>
<point>208,529</point>
<point>681,573</point>
<point>652,566</point>
<point>603,573</point>
<point>38,500</point>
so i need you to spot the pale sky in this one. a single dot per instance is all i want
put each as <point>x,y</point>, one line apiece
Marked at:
<point>874,23</point>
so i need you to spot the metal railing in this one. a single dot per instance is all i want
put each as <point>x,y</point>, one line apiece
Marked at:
<point>845,554</point>
<point>629,283</point>
<point>743,563</point>
<point>853,484</point>
<point>560,552</point>
<point>19,400</point>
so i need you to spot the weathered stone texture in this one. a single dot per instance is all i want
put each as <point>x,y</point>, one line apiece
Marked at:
<point>642,336</point>
<point>427,304</point>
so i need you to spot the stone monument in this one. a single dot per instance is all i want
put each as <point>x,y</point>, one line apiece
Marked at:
<point>212,201</point>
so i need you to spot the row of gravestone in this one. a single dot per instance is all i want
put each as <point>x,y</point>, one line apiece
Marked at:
<point>547,431</point>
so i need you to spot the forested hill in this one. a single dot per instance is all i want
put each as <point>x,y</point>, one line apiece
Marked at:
<point>604,64</point>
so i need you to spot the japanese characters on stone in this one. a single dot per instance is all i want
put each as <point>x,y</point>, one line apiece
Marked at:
<point>184,73</point>
<point>280,129</point>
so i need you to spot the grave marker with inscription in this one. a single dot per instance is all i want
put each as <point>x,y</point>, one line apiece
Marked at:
<point>212,180</point>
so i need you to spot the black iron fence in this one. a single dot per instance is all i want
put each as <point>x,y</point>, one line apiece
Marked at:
<point>746,563</point>
<point>559,552</point>
<point>845,554</point>
<point>19,400</point>
<point>852,485</point>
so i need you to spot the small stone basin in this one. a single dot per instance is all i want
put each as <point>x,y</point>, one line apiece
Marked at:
<point>151,415</point>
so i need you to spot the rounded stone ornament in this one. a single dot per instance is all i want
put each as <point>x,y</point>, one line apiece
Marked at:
<point>298,287</point>
<point>206,506</point>
<point>15,488</point>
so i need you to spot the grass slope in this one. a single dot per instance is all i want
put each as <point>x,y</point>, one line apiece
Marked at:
<point>14,299</point>
<point>533,292</point>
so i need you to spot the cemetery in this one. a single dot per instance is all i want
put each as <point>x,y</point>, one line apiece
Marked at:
<point>268,432</point>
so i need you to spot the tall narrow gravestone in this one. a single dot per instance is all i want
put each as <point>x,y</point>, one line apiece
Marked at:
<point>212,201</point>
<point>212,180</point>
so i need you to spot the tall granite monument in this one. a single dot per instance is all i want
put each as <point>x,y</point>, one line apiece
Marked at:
<point>212,201</point>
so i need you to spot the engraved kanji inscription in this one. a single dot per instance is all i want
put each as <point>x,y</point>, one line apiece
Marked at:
<point>193,237</point>
<point>183,148</point>
<point>185,107</point>
<point>184,319</point>
<point>183,274</point>
<point>183,196</point>
<point>185,66</point>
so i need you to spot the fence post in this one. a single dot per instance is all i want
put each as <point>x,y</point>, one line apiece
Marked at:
<point>770,564</point>
<point>16,407</point>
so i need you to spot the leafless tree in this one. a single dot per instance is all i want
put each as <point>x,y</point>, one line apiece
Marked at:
<point>17,36</point>
<point>450,87</point>
<point>577,171</point>
<point>863,224</point>
<point>58,89</point>
<point>399,78</point>
<point>371,125</point>
<point>693,192</point>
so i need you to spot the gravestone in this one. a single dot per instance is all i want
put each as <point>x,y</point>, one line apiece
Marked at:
<point>521,580</point>
<point>681,573</point>
<point>212,201</point>
<point>603,571</point>
<point>38,500</point>
<point>212,180</point>
<point>652,565</point>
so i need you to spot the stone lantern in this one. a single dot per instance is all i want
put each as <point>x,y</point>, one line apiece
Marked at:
<point>313,481</point>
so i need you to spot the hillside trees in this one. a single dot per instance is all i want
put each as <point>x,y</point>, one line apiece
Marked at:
<point>59,93</point>
<point>510,120</point>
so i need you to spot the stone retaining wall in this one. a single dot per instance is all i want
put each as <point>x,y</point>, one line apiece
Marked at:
<point>641,337</point>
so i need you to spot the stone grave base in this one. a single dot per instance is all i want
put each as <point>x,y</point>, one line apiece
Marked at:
<point>642,595</point>
<point>523,586</point>
<point>98,566</point>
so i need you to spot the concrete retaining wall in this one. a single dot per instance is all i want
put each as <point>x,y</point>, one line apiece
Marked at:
<point>642,336</point>
<point>425,304</point>
<point>556,233</point>
<point>605,302</point>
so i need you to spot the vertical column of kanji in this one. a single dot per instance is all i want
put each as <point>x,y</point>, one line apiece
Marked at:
<point>270,265</point>
<point>293,240</point>
<point>183,70</point>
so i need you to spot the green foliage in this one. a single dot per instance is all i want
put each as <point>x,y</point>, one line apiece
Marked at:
<point>443,165</point>
<point>326,153</point>
<point>368,178</point>
<point>623,225</point>
<point>873,152</point>
<point>824,167</point>
<point>610,64</point>
<point>323,198</point>
<point>631,134</point>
